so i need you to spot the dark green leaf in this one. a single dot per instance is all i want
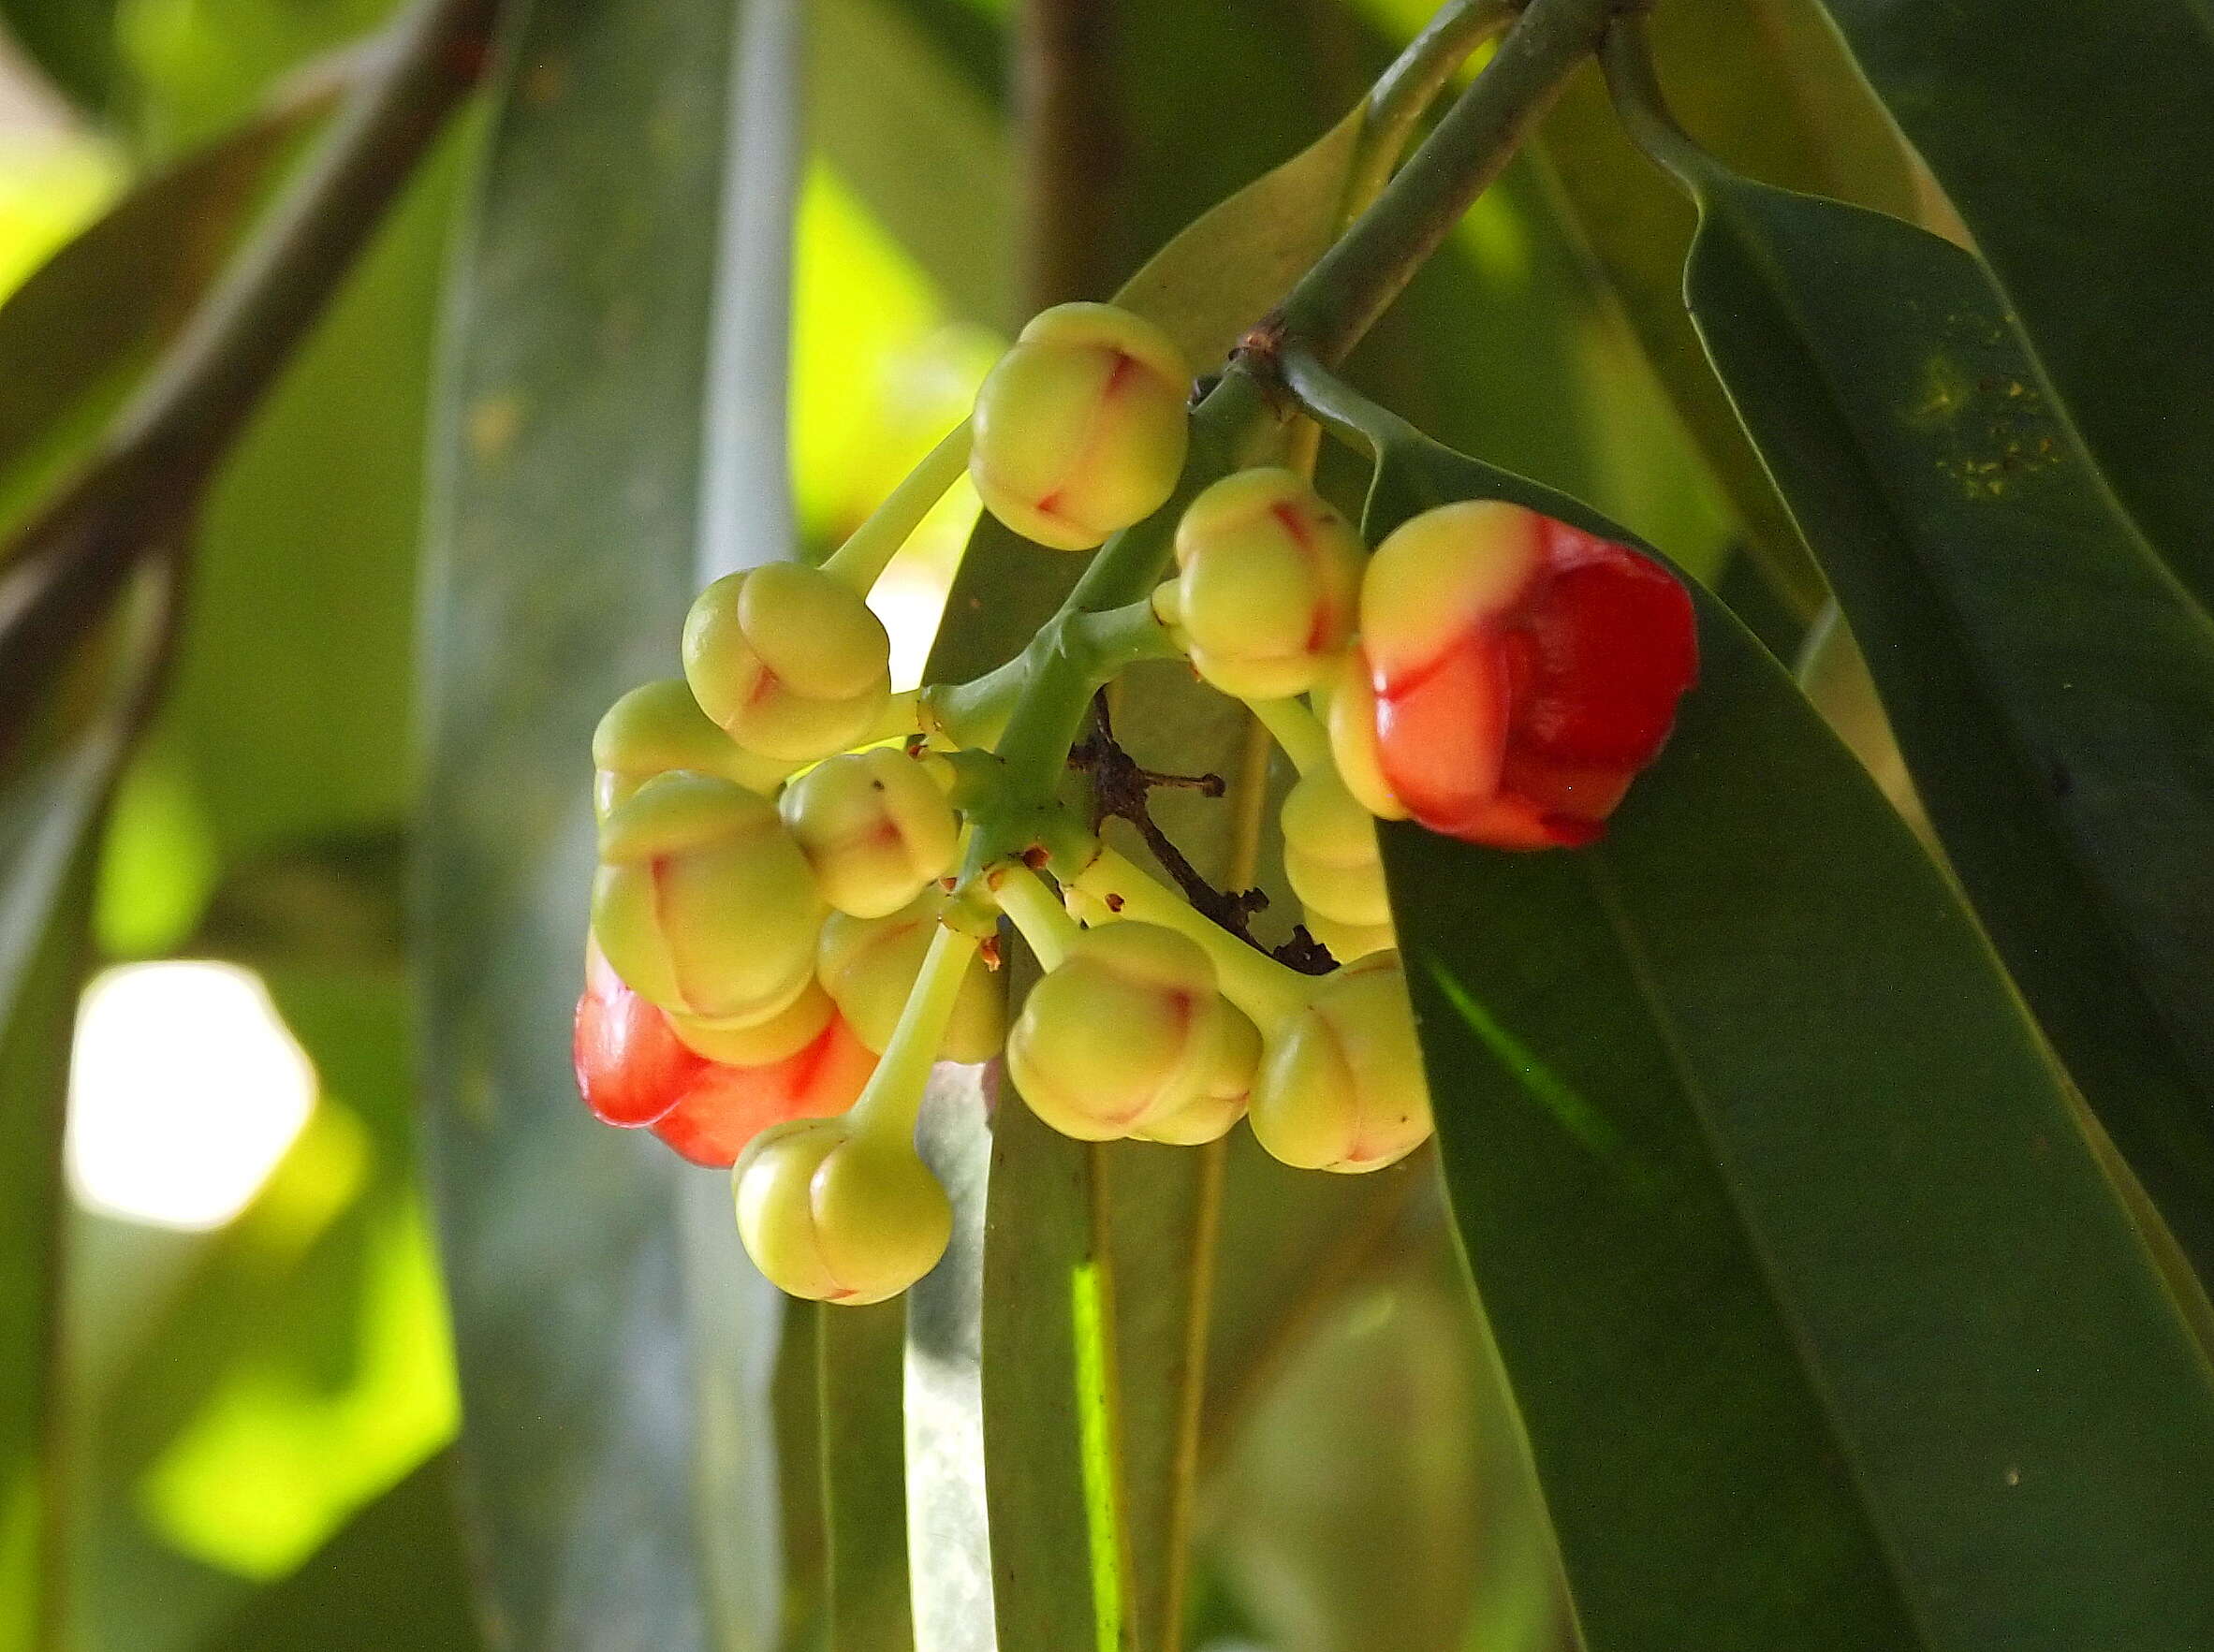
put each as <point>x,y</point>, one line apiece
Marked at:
<point>2050,684</point>
<point>2075,142</point>
<point>1827,1327</point>
<point>1776,98</point>
<point>616,1351</point>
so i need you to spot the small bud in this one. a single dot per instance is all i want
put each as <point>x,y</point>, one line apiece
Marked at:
<point>1342,1087</point>
<point>1128,1031</point>
<point>832,1216</point>
<point>726,1107</point>
<point>659,727</point>
<point>788,661</point>
<point>1330,854</point>
<point>1350,943</point>
<point>1222,1097</point>
<point>875,827</point>
<point>1524,671</point>
<point>757,1043</point>
<point>630,1067</point>
<point>1269,578</point>
<point>703,902</point>
<point>869,966</point>
<point>1080,429</point>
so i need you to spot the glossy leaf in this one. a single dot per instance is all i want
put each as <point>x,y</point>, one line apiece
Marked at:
<point>1826,1328</point>
<point>1776,98</point>
<point>2049,684</point>
<point>2075,143</point>
<point>616,1353</point>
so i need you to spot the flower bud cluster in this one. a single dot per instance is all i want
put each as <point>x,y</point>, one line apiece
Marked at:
<point>790,923</point>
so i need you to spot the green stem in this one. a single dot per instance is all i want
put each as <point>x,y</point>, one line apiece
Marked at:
<point>892,1100</point>
<point>1297,730</point>
<point>1340,408</point>
<point>1337,300</point>
<point>1403,94</point>
<point>1626,55</point>
<point>1254,982</point>
<point>861,560</point>
<point>1038,914</point>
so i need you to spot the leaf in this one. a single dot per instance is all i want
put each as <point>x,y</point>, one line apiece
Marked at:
<point>51,802</point>
<point>2040,121</point>
<point>74,43</point>
<point>1222,274</point>
<point>617,1354</point>
<point>395,1577</point>
<point>1381,1436</point>
<point>316,514</point>
<point>2049,684</point>
<point>910,121</point>
<point>1775,96</point>
<point>946,1502</point>
<point>864,1475</point>
<point>72,334</point>
<point>1826,1328</point>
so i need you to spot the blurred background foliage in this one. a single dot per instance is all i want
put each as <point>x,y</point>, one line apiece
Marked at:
<point>259,1393</point>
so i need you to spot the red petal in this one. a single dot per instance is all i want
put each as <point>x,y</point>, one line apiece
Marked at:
<point>726,1108</point>
<point>631,1068</point>
<point>1612,648</point>
<point>1441,731</point>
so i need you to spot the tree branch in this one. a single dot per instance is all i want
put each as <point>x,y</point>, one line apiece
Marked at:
<point>138,495</point>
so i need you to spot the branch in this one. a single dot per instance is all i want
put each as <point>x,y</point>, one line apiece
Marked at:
<point>140,491</point>
<point>1354,283</point>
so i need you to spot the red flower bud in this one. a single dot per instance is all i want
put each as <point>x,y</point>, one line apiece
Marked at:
<point>632,1069</point>
<point>1524,671</point>
<point>726,1108</point>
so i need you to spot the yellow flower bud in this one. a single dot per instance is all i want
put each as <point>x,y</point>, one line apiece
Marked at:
<point>759,1044</point>
<point>1080,429</point>
<point>875,827</point>
<point>1349,942</point>
<point>1126,1033</point>
<point>1270,584</point>
<point>1330,854</point>
<point>869,966</point>
<point>788,661</point>
<point>703,903</point>
<point>1222,1097</point>
<point>1342,1087</point>
<point>658,726</point>
<point>835,1216</point>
